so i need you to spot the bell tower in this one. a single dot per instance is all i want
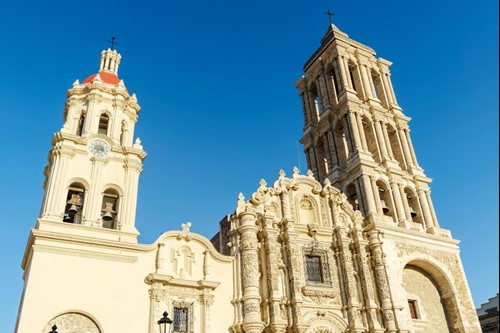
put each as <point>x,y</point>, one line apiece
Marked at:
<point>356,135</point>
<point>92,175</point>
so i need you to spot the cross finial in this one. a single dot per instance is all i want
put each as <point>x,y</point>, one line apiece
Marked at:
<point>330,14</point>
<point>112,42</point>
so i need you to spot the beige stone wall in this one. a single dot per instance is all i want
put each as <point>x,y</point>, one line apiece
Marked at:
<point>421,288</point>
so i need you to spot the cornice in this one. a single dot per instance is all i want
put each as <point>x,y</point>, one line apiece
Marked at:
<point>394,232</point>
<point>84,253</point>
<point>169,280</point>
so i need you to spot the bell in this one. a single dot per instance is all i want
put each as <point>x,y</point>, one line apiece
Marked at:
<point>107,217</point>
<point>413,213</point>
<point>385,209</point>
<point>73,209</point>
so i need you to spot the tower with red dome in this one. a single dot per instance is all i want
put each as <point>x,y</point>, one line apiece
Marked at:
<point>93,168</point>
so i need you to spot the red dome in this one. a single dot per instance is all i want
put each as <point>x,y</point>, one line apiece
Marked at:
<point>106,77</point>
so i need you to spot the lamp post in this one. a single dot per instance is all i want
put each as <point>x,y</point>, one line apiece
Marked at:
<point>165,323</point>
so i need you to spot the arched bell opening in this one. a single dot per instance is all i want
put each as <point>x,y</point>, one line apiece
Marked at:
<point>74,204</point>
<point>109,208</point>
<point>386,202</point>
<point>413,205</point>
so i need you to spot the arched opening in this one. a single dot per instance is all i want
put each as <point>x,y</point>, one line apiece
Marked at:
<point>413,205</point>
<point>109,208</point>
<point>354,77</point>
<point>316,100</point>
<point>74,204</point>
<point>425,305</point>
<point>73,322</point>
<point>103,124</point>
<point>334,77</point>
<point>81,124</point>
<point>386,203</point>
<point>352,196</point>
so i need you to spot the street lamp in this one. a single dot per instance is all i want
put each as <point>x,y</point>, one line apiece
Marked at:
<point>165,323</point>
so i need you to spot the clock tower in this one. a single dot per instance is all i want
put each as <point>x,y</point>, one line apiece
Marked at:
<point>93,169</point>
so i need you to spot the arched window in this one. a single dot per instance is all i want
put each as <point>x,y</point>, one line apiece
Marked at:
<point>81,124</point>
<point>109,208</point>
<point>74,204</point>
<point>103,124</point>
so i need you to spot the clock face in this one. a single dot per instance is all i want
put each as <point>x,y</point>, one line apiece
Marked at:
<point>99,148</point>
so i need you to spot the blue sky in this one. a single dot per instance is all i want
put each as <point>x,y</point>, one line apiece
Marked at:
<point>219,109</point>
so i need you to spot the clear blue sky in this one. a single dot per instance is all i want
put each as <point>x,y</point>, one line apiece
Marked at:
<point>220,112</point>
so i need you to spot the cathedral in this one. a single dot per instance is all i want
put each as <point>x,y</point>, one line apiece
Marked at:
<point>353,245</point>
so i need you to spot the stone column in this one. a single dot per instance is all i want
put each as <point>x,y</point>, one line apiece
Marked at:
<point>92,209</point>
<point>273,248</point>
<point>324,92</point>
<point>406,205</point>
<point>332,147</point>
<point>366,279</point>
<point>387,88</point>
<point>370,202</point>
<point>391,89</point>
<point>347,271</point>
<point>133,168</point>
<point>410,144</point>
<point>381,139</point>
<point>55,187</point>
<point>425,208</point>
<point>381,281</point>
<point>344,71</point>
<point>398,201</point>
<point>328,152</point>
<point>361,129</point>
<point>314,161</point>
<point>157,296</point>
<point>388,141</point>
<point>431,207</point>
<point>250,273</point>
<point>365,81</point>
<point>355,131</point>
<point>406,148</point>
<point>376,195</point>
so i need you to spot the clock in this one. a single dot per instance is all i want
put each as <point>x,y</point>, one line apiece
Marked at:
<point>99,148</point>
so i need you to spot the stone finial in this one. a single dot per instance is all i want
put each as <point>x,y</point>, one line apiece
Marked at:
<point>327,182</point>
<point>310,173</point>
<point>77,82</point>
<point>137,143</point>
<point>282,174</point>
<point>262,185</point>
<point>185,226</point>
<point>295,171</point>
<point>185,233</point>
<point>241,199</point>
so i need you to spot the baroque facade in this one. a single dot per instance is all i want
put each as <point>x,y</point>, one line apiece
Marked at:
<point>354,245</point>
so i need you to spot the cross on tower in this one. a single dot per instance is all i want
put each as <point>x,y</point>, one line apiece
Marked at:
<point>330,14</point>
<point>112,42</point>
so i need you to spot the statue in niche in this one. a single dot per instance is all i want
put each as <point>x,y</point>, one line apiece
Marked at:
<point>183,259</point>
